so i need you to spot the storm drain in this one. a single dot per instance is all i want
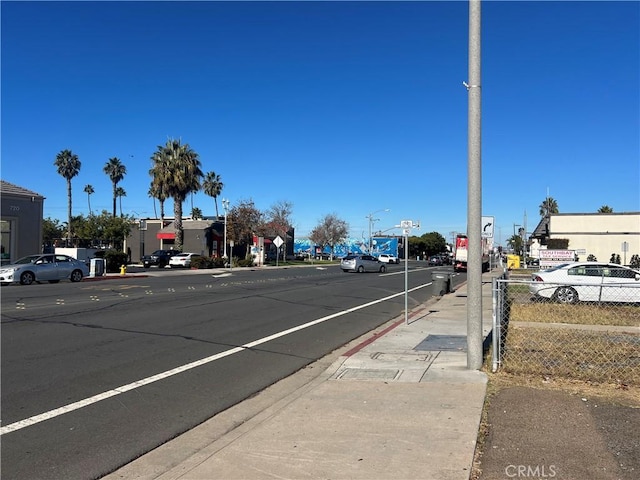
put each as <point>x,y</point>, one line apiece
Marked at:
<point>368,374</point>
<point>403,357</point>
<point>457,343</point>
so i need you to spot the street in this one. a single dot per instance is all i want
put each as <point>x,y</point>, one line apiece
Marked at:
<point>97,373</point>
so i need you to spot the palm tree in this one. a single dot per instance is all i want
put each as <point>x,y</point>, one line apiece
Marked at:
<point>158,172</point>
<point>213,187</point>
<point>152,195</point>
<point>605,209</point>
<point>120,192</point>
<point>196,213</point>
<point>88,189</point>
<point>548,207</point>
<point>116,171</point>
<point>68,166</point>
<point>178,168</point>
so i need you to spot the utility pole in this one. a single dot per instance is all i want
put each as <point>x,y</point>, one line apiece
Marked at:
<point>474,195</point>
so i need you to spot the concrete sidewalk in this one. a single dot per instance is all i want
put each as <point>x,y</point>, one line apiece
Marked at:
<point>398,403</point>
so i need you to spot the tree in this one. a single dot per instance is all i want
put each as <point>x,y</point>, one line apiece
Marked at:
<point>592,258</point>
<point>179,170</point>
<point>88,189</point>
<point>151,195</point>
<point>68,166</point>
<point>51,230</point>
<point>243,222</point>
<point>548,206</point>
<point>605,209</point>
<point>120,192</point>
<point>330,231</point>
<point>158,187</point>
<point>116,171</point>
<point>515,242</point>
<point>615,258</point>
<point>212,186</point>
<point>278,221</point>
<point>635,261</point>
<point>196,213</point>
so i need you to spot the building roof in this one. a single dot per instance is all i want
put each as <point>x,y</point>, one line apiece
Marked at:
<point>11,189</point>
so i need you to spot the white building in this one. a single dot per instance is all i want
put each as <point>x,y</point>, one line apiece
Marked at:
<point>597,234</point>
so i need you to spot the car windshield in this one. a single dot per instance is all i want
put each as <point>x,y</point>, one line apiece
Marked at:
<point>28,259</point>
<point>350,257</point>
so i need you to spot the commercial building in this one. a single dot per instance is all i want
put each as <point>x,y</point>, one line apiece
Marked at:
<point>204,237</point>
<point>598,235</point>
<point>20,222</point>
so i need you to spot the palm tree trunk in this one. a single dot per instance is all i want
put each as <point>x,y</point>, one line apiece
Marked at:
<point>69,213</point>
<point>114,199</point>
<point>215,199</point>
<point>177,223</point>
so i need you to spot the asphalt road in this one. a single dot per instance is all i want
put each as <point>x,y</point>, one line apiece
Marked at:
<point>96,374</point>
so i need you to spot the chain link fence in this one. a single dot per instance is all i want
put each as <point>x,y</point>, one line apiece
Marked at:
<point>559,336</point>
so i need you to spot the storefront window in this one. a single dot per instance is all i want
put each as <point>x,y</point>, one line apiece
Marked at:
<point>5,241</point>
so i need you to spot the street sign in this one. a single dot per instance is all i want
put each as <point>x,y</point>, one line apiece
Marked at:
<point>278,241</point>
<point>487,227</point>
<point>406,224</point>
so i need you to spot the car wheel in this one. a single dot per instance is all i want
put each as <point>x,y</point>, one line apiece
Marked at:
<point>27,278</point>
<point>383,269</point>
<point>360,269</point>
<point>566,295</point>
<point>76,276</point>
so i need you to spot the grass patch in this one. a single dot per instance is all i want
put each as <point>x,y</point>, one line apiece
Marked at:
<point>580,314</point>
<point>599,357</point>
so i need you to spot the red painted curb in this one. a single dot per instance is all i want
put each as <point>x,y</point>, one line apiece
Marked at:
<point>375,336</point>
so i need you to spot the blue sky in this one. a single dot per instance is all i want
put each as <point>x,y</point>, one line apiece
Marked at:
<point>338,107</point>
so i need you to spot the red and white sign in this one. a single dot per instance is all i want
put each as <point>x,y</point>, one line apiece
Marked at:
<point>551,258</point>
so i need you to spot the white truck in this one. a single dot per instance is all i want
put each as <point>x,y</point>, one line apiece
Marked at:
<point>461,254</point>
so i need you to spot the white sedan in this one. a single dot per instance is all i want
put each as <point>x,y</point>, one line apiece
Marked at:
<point>587,282</point>
<point>388,258</point>
<point>182,260</point>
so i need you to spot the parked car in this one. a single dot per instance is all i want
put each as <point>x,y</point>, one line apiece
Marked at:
<point>159,257</point>
<point>43,268</point>
<point>182,260</point>
<point>388,258</point>
<point>587,282</point>
<point>362,263</point>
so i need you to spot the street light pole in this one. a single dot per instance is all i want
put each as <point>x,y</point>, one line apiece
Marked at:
<point>371,220</point>
<point>225,205</point>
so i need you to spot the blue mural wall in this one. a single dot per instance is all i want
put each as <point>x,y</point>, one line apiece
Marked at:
<point>352,245</point>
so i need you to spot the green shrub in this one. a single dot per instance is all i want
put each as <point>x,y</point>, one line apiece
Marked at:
<point>245,262</point>
<point>203,262</point>
<point>114,260</point>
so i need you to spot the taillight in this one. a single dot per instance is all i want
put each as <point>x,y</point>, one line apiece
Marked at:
<point>537,278</point>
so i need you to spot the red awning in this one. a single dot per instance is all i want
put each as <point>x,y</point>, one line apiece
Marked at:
<point>166,235</point>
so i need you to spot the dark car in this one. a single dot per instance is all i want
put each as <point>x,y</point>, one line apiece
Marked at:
<point>435,260</point>
<point>159,258</point>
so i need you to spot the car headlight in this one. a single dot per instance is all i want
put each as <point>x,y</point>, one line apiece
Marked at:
<point>7,271</point>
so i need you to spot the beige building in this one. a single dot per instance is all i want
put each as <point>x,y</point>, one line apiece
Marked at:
<point>597,234</point>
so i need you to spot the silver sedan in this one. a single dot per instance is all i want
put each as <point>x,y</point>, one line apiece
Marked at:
<point>362,263</point>
<point>43,268</point>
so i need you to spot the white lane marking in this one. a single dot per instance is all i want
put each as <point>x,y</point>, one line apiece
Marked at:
<point>27,422</point>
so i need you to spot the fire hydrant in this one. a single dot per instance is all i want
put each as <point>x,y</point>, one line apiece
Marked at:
<point>123,269</point>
